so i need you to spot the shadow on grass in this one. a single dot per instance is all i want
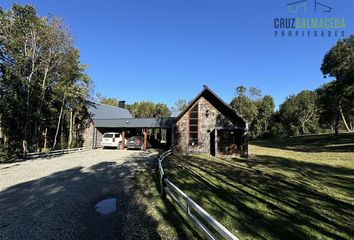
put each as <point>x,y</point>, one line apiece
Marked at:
<point>147,182</point>
<point>270,197</point>
<point>312,143</point>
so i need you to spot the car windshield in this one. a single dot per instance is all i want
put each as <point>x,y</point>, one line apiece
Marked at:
<point>117,135</point>
<point>135,138</point>
<point>108,135</point>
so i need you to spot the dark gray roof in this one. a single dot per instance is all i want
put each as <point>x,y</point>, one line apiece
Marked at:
<point>134,123</point>
<point>103,111</point>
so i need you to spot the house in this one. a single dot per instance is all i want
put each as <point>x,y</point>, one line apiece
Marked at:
<point>99,113</point>
<point>106,118</point>
<point>207,125</point>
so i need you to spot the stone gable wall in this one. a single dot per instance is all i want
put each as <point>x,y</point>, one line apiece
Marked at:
<point>205,127</point>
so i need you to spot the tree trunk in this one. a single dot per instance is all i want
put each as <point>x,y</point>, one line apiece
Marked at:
<point>343,118</point>
<point>29,79</point>
<point>70,129</point>
<point>303,128</point>
<point>45,139</point>
<point>62,132</point>
<point>58,125</point>
<point>46,70</point>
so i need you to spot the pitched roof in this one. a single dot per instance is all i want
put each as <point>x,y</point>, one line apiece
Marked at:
<point>219,104</point>
<point>103,111</point>
<point>135,123</point>
<point>107,116</point>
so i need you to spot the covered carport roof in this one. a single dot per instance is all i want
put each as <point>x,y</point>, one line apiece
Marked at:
<point>134,123</point>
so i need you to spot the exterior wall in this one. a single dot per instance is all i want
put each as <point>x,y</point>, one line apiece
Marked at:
<point>88,135</point>
<point>205,127</point>
<point>99,134</point>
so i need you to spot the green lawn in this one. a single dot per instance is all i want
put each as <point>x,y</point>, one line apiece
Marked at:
<point>295,188</point>
<point>161,219</point>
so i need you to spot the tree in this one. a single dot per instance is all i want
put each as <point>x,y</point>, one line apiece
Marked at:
<point>148,109</point>
<point>245,103</point>
<point>339,63</point>
<point>109,101</point>
<point>161,110</point>
<point>180,105</point>
<point>306,108</point>
<point>298,113</point>
<point>72,86</point>
<point>328,107</point>
<point>42,82</point>
<point>257,110</point>
<point>21,43</point>
<point>265,112</point>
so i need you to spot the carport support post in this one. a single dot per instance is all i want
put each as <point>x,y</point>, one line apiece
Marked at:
<point>123,140</point>
<point>145,139</point>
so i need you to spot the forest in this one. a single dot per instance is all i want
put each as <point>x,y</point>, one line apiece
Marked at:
<point>44,86</point>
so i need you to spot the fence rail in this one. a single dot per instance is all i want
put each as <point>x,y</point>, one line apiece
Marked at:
<point>203,220</point>
<point>56,152</point>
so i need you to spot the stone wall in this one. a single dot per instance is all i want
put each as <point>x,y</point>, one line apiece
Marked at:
<point>88,135</point>
<point>99,134</point>
<point>208,118</point>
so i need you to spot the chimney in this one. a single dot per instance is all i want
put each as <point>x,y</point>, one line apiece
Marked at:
<point>121,104</point>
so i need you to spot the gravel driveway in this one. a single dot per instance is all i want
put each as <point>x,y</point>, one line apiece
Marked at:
<point>55,198</point>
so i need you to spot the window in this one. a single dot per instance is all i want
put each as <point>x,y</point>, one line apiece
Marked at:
<point>108,135</point>
<point>193,126</point>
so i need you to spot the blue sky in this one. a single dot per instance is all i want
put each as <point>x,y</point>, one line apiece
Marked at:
<point>164,50</point>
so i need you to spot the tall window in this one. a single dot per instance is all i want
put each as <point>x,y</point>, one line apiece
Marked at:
<point>193,126</point>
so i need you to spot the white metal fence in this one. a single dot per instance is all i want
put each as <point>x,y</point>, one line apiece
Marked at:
<point>203,220</point>
<point>56,152</point>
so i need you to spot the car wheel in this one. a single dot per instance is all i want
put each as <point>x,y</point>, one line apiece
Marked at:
<point>119,145</point>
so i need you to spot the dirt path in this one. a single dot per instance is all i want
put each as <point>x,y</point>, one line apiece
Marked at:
<point>55,198</point>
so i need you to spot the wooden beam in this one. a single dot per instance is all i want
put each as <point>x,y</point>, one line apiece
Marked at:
<point>123,140</point>
<point>145,139</point>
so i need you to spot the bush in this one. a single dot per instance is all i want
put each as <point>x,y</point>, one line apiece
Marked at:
<point>9,152</point>
<point>276,130</point>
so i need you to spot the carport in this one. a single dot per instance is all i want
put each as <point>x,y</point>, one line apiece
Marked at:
<point>124,125</point>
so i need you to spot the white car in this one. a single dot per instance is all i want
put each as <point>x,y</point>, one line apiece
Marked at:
<point>111,139</point>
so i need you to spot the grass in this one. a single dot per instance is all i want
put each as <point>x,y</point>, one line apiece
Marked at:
<point>295,188</point>
<point>161,219</point>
